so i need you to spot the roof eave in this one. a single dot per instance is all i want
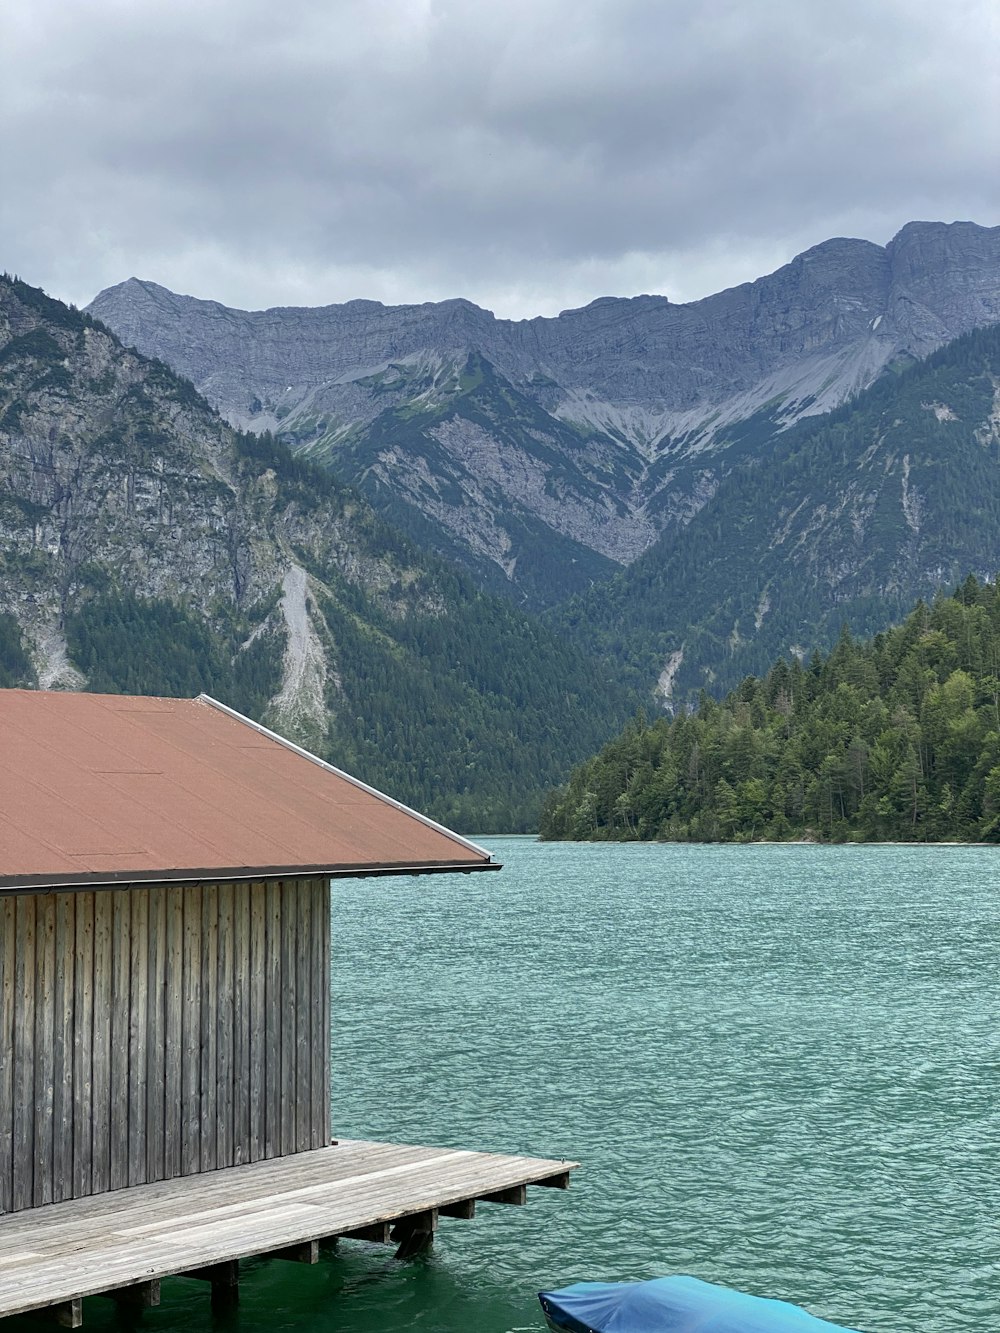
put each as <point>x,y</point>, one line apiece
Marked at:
<point>229,875</point>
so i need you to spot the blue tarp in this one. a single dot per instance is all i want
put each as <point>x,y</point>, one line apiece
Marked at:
<point>673,1305</point>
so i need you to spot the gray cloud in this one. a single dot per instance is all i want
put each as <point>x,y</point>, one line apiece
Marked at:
<point>529,155</point>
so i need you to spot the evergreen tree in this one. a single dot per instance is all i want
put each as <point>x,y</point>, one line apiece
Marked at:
<point>895,739</point>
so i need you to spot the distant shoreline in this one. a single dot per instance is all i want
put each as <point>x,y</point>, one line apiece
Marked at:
<point>756,842</point>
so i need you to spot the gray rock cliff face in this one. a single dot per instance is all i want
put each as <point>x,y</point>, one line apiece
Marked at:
<point>148,547</point>
<point>610,423</point>
<point>113,473</point>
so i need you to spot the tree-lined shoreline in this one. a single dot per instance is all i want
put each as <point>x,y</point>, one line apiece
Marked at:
<point>894,740</point>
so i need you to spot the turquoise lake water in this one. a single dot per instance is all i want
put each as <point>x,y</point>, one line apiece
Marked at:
<point>779,1067</point>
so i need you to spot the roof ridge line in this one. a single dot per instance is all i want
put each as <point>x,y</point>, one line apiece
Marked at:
<point>339,772</point>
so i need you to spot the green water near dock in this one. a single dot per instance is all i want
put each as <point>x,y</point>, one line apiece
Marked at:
<point>778,1065</point>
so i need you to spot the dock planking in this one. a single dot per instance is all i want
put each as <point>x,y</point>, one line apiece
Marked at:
<point>53,1256</point>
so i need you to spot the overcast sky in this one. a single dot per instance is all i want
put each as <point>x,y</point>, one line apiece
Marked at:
<point>527,154</point>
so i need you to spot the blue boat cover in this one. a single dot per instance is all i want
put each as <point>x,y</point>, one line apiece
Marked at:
<point>673,1305</point>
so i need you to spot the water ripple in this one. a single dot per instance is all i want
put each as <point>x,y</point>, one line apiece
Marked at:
<point>777,1064</point>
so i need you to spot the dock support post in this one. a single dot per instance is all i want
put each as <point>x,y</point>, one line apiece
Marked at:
<point>465,1209</point>
<point>516,1194</point>
<point>414,1234</point>
<point>225,1281</point>
<point>67,1314</point>
<point>141,1296</point>
<point>378,1232</point>
<point>305,1253</point>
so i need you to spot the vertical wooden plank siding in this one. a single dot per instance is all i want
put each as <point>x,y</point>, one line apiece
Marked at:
<point>272,1023</point>
<point>155,1038</point>
<point>224,1019</point>
<point>241,1023</point>
<point>191,1036</point>
<point>152,1032</point>
<point>209,1023</point>
<point>257,1028</point>
<point>121,954</point>
<point>63,1047</point>
<point>138,1031</point>
<point>100,1112</point>
<point>7,991</point>
<point>318,1073</point>
<point>173,1033</point>
<point>83,1045</point>
<point>23,1098</point>
<point>44,1000</point>
<point>302,897</point>
<point>289,1011</point>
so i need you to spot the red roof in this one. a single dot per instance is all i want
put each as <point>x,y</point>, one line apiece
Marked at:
<point>102,789</point>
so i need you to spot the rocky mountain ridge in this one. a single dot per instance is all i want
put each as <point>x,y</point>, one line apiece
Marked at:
<point>545,452</point>
<point>851,518</point>
<point>147,546</point>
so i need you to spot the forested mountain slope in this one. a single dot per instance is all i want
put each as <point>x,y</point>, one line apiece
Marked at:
<point>850,517</point>
<point>147,546</point>
<point>542,453</point>
<point>896,739</point>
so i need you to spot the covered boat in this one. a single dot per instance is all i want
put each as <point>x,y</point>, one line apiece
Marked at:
<point>673,1305</point>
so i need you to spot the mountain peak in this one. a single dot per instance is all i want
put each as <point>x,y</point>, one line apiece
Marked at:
<point>612,423</point>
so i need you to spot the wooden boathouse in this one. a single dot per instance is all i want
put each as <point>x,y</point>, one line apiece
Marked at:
<point>165,1052</point>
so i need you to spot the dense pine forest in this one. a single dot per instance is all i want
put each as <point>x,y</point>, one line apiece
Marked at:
<point>896,739</point>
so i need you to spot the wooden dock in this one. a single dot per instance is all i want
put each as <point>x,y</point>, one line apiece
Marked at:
<point>121,1244</point>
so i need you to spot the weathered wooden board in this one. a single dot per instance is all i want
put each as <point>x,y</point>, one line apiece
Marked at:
<point>44,1014</point>
<point>155,1037</point>
<point>156,1032</point>
<point>272,1024</point>
<point>121,952</point>
<point>191,1038</point>
<point>7,991</point>
<point>302,1082</point>
<point>140,1023</point>
<point>63,1047</point>
<point>100,983</point>
<point>208,995</point>
<point>83,1045</point>
<point>257,1028</point>
<point>22,1174</point>
<point>224,1036</point>
<point>241,1024</point>
<point>288,1003</point>
<point>173,1034</point>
